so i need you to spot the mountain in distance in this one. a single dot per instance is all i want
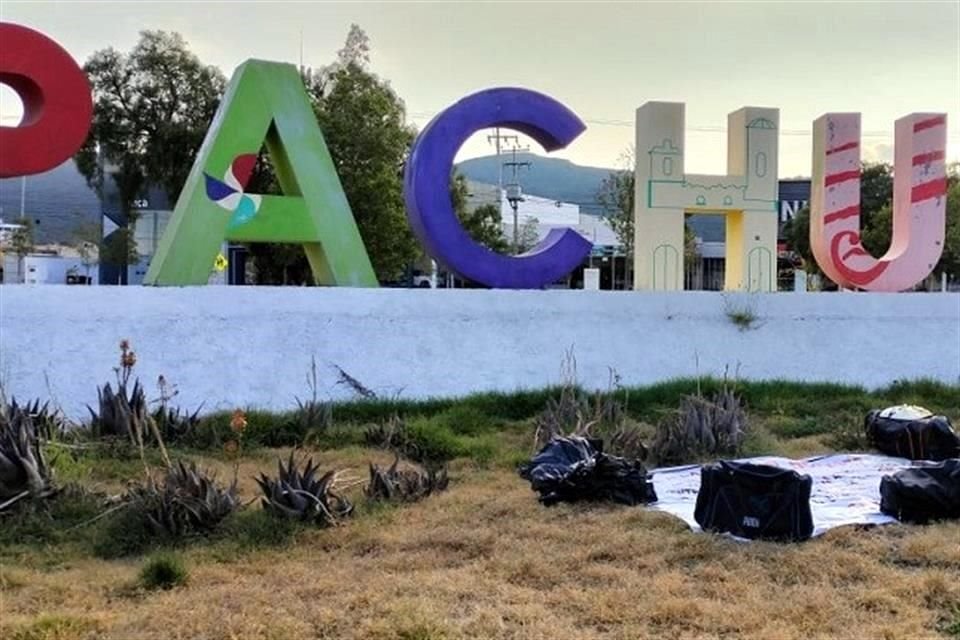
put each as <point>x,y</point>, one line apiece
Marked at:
<point>546,177</point>
<point>58,201</point>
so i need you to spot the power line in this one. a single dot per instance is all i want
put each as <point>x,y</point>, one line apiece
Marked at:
<point>608,122</point>
<point>496,138</point>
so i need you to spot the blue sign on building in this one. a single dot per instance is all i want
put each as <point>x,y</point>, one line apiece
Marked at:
<point>794,195</point>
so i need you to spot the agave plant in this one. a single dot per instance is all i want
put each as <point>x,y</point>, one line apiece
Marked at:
<point>405,485</point>
<point>121,415</point>
<point>49,423</point>
<point>302,496</point>
<point>186,500</point>
<point>23,470</point>
<point>173,425</point>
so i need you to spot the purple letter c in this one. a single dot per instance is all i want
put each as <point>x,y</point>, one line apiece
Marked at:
<point>427,196</point>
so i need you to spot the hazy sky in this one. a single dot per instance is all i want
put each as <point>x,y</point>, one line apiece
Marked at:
<point>603,60</point>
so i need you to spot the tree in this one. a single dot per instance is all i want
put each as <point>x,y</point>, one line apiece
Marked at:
<point>881,231</point>
<point>615,195</point>
<point>21,241</point>
<point>876,190</point>
<point>877,223</point>
<point>796,231</point>
<point>364,125</point>
<point>280,264</point>
<point>152,108</point>
<point>483,223</point>
<point>85,237</point>
<point>528,236</point>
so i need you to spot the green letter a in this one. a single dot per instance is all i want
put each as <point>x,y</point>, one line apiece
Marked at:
<point>264,102</point>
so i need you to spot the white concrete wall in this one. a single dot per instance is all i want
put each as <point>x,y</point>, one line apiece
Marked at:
<point>251,346</point>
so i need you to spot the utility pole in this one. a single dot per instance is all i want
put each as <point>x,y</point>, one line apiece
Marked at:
<point>515,193</point>
<point>496,138</point>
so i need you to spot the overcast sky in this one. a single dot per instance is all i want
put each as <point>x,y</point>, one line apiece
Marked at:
<point>603,60</point>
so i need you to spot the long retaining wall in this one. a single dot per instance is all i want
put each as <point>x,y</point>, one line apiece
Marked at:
<point>252,346</point>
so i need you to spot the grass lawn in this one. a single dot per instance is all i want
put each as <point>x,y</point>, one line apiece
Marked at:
<point>484,559</point>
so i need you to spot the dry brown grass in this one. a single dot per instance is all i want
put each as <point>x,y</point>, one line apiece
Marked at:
<point>485,560</point>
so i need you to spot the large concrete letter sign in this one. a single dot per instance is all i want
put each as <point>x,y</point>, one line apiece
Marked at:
<point>264,102</point>
<point>747,197</point>
<point>56,102</point>
<point>919,202</point>
<point>428,199</point>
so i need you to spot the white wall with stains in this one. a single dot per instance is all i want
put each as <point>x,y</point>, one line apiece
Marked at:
<point>252,347</point>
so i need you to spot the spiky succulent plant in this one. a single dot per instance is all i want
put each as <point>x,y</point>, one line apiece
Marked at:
<point>302,496</point>
<point>121,414</point>
<point>185,500</point>
<point>404,485</point>
<point>174,425</point>
<point>49,423</point>
<point>24,471</point>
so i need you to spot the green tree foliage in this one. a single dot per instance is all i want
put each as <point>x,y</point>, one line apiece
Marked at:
<point>527,235</point>
<point>152,109</point>
<point>280,264</point>
<point>364,124</point>
<point>876,206</point>
<point>796,231</point>
<point>483,223</point>
<point>616,196</point>
<point>876,190</point>
<point>120,247</point>
<point>21,243</point>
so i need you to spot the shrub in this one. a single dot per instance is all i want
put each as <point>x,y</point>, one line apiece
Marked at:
<point>51,521</point>
<point>425,440</point>
<point>701,427</point>
<point>391,434</point>
<point>163,571</point>
<point>124,533</point>
<point>187,500</point>
<point>404,485</point>
<point>465,420</point>
<point>255,529</point>
<point>431,443</point>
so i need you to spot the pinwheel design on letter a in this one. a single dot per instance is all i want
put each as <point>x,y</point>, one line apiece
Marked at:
<point>229,194</point>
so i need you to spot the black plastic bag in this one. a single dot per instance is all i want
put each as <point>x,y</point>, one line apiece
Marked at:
<point>923,494</point>
<point>754,501</point>
<point>906,433</point>
<point>572,469</point>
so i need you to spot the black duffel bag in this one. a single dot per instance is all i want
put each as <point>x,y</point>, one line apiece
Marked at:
<point>754,501</point>
<point>913,433</point>
<point>923,494</point>
<point>571,469</point>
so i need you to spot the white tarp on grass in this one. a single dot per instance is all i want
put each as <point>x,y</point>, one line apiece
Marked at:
<point>846,488</point>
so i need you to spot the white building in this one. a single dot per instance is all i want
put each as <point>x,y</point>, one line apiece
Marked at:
<point>56,265</point>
